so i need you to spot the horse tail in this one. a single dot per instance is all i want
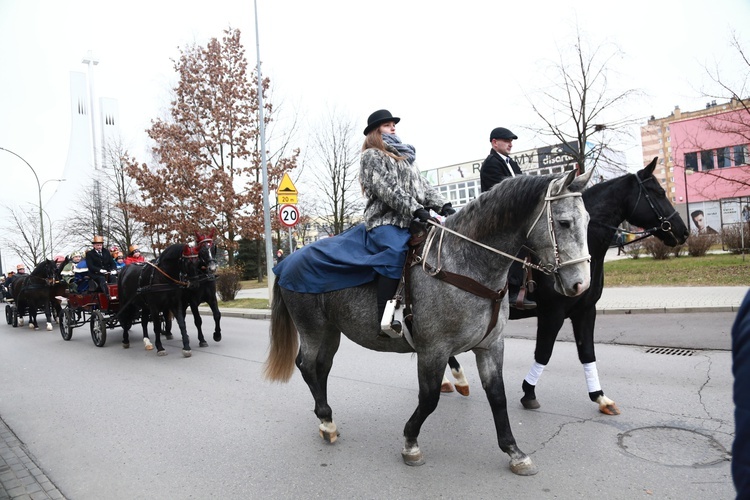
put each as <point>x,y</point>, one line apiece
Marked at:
<point>279,365</point>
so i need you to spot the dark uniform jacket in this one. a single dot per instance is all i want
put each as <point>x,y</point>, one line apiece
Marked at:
<point>98,262</point>
<point>494,169</point>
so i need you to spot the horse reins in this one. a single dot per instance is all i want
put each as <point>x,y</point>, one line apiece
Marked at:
<point>544,268</point>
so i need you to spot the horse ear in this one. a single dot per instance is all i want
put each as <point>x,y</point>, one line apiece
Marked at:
<point>559,184</point>
<point>648,170</point>
<point>580,182</point>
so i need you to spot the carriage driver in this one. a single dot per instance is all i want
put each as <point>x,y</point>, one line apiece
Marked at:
<point>100,263</point>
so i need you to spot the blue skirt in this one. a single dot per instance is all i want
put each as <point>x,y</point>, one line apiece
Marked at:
<point>349,259</point>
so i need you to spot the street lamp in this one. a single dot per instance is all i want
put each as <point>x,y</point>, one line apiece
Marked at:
<point>39,188</point>
<point>45,213</point>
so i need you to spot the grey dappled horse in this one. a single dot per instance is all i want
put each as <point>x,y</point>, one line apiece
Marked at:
<point>546,211</point>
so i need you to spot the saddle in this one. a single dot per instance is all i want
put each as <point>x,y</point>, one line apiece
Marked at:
<point>419,232</point>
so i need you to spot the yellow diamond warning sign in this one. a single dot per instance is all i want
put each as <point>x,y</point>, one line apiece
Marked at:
<point>287,193</point>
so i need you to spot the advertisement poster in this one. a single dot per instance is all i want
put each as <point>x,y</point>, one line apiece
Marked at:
<point>705,217</point>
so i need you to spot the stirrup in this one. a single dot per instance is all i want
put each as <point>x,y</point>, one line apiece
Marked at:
<point>387,323</point>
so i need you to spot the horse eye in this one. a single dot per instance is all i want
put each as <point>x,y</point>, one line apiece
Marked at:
<point>565,224</point>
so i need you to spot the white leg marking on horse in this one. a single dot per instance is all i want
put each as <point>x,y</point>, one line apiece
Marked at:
<point>20,321</point>
<point>445,385</point>
<point>49,327</point>
<point>462,385</point>
<point>147,344</point>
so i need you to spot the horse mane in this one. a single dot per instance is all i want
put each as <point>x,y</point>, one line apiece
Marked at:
<point>42,269</point>
<point>171,253</point>
<point>503,206</point>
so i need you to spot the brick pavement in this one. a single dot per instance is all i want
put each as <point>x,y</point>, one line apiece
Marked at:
<point>20,477</point>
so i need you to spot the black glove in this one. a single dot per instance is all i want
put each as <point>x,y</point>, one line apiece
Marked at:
<point>424,216</point>
<point>447,210</point>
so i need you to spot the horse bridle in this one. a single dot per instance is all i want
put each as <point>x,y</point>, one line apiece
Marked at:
<point>664,224</point>
<point>547,269</point>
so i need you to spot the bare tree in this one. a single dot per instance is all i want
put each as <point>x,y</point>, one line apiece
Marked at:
<point>22,236</point>
<point>334,165</point>
<point>579,106</point>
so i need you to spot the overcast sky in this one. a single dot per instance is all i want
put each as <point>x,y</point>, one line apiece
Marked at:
<point>451,70</point>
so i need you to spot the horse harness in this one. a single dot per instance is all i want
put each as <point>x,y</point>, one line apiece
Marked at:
<point>423,240</point>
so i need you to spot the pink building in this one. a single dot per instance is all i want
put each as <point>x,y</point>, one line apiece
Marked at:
<point>711,171</point>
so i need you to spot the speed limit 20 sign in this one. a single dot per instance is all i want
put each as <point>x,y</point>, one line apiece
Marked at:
<point>289,215</point>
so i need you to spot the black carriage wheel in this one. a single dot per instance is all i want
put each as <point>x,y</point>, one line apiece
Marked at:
<point>98,328</point>
<point>14,313</point>
<point>8,314</point>
<point>66,323</point>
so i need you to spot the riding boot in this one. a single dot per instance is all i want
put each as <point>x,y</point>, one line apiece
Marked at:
<point>516,292</point>
<point>386,290</point>
<point>517,298</point>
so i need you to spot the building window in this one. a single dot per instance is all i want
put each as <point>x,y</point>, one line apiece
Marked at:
<point>723,158</point>
<point>691,161</point>
<point>459,194</point>
<point>740,155</point>
<point>707,160</point>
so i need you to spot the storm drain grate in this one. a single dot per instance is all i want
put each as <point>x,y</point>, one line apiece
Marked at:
<point>671,351</point>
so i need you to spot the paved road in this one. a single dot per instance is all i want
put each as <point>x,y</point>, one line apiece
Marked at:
<point>109,423</point>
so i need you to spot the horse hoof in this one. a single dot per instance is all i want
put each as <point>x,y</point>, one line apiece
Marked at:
<point>217,337</point>
<point>329,437</point>
<point>523,467</point>
<point>413,457</point>
<point>31,326</point>
<point>530,404</point>
<point>462,389</point>
<point>20,322</point>
<point>610,409</point>
<point>187,353</point>
<point>125,345</point>
<point>203,344</point>
<point>49,327</point>
<point>161,353</point>
<point>148,345</point>
<point>446,387</point>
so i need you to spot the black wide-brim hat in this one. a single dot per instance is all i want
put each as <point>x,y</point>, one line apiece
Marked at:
<point>378,117</point>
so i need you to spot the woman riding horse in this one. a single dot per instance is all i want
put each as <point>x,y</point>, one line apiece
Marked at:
<point>458,301</point>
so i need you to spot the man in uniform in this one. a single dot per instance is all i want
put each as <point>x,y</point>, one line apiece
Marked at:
<point>497,167</point>
<point>100,263</point>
